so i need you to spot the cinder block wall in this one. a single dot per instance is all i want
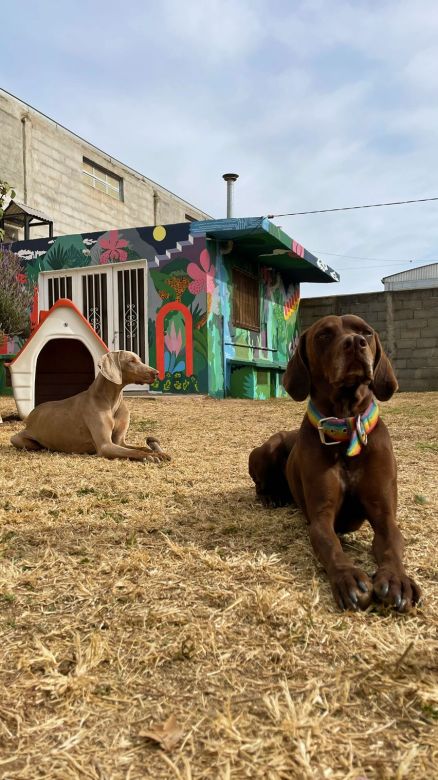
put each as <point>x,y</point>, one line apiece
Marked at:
<point>407,322</point>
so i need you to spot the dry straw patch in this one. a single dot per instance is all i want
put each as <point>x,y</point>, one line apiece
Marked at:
<point>139,598</point>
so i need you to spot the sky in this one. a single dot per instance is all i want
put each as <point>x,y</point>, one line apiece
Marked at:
<point>314,103</point>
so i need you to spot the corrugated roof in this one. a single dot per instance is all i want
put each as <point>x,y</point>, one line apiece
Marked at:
<point>16,209</point>
<point>429,271</point>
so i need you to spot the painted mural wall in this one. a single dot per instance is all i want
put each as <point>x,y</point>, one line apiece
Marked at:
<point>180,281</point>
<point>191,336</point>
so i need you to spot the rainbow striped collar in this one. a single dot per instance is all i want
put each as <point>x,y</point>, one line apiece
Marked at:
<point>355,430</point>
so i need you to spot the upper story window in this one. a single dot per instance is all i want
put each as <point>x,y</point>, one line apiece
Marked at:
<point>246,300</point>
<point>102,180</point>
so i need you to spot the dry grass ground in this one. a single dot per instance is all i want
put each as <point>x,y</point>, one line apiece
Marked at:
<point>132,592</point>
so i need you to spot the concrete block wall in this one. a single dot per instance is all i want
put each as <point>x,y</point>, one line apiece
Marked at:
<point>407,322</point>
<point>43,162</point>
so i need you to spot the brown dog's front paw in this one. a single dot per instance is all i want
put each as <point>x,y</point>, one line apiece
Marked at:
<point>352,588</point>
<point>396,590</point>
<point>273,502</point>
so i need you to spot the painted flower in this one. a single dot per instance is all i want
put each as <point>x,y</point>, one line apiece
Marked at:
<point>114,247</point>
<point>21,278</point>
<point>202,275</point>
<point>173,340</point>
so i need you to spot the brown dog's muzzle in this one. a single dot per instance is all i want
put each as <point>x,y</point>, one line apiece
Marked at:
<point>353,360</point>
<point>355,344</point>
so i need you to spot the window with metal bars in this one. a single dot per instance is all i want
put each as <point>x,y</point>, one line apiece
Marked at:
<point>95,303</point>
<point>246,300</point>
<point>131,323</point>
<point>59,287</point>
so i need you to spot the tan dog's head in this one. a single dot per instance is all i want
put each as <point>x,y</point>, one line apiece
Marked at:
<point>339,353</point>
<point>125,368</point>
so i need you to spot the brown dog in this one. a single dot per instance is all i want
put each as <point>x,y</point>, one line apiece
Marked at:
<point>336,474</point>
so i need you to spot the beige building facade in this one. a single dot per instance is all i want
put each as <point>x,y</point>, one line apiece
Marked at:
<point>77,186</point>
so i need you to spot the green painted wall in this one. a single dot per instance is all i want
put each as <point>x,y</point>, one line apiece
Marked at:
<point>257,352</point>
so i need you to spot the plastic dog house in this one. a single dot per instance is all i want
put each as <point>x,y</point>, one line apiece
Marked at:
<point>59,359</point>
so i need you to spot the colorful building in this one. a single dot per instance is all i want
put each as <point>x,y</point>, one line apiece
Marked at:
<point>211,304</point>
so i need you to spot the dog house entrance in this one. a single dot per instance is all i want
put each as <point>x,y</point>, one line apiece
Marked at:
<point>112,298</point>
<point>64,367</point>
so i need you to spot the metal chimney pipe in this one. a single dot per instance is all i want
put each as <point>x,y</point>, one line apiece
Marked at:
<point>230,178</point>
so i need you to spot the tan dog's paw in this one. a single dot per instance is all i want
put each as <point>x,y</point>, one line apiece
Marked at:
<point>155,446</point>
<point>352,588</point>
<point>156,457</point>
<point>151,457</point>
<point>396,590</point>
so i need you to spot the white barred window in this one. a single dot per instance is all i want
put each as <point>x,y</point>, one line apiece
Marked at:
<point>102,180</point>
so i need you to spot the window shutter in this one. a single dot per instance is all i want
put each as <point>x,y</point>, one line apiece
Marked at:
<point>246,300</point>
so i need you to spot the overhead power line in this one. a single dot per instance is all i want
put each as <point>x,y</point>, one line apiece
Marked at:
<point>361,257</point>
<point>352,208</point>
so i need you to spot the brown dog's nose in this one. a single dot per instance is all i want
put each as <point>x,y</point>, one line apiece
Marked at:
<point>354,342</point>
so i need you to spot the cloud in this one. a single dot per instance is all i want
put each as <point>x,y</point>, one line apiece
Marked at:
<point>314,104</point>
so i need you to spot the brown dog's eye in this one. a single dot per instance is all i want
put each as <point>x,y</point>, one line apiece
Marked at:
<point>367,335</point>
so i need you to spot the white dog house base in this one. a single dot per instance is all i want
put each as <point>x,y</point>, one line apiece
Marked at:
<point>59,359</point>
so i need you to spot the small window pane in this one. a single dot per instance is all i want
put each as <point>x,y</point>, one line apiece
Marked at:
<point>113,180</point>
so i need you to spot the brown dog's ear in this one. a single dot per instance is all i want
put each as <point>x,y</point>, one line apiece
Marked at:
<point>384,383</point>
<point>110,367</point>
<point>296,379</point>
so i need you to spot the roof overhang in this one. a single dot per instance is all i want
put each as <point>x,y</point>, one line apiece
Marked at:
<point>17,212</point>
<point>259,240</point>
<point>23,216</point>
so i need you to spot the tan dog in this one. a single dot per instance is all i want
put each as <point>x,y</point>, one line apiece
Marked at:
<point>339,467</point>
<point>96,420</point>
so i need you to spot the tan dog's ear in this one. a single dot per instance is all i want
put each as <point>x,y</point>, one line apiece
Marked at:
<point>384,383</point>
<point>110,367</point>
<point>296,379</point>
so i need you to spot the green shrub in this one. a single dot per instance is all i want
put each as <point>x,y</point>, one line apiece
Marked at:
<point>15,296</point>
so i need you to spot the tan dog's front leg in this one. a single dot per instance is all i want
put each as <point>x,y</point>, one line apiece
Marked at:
<point>101,428</point>
<point>121,425</point>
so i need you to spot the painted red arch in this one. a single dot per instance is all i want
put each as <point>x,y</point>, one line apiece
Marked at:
<point>159,330</point>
